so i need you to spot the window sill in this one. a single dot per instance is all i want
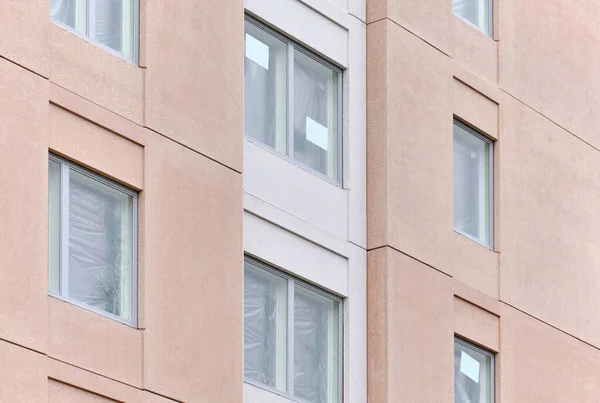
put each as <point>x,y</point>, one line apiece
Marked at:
<point>92,309</point>
<point>95,43</point>
<point>472,238</point>
<point>277,395</point>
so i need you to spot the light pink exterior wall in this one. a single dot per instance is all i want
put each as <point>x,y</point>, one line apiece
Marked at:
<point>170,128</point>
<point>533,300</point>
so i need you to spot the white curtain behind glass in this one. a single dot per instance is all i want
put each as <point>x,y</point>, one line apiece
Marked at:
<point>315,347</point>
<point>265,89</point>
<point>265,302</point>
<point>466,389</point>
<point>114,25</point>
<point>476,12</point>
<point>72,13</point>
<point>100,246</point>
<point>315,97</point>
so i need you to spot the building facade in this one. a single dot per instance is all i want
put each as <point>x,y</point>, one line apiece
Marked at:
<point>322,201</point>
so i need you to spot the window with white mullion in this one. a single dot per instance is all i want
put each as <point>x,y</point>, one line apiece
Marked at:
<point>312,350</point>
<point>92,245</point>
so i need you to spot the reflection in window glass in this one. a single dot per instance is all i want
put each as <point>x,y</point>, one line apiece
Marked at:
<point>472,184</point>
<point>292,101</point>
<point>265,88</point>
<point>315,115</point>
<point>315,346</point>
<point>473,374</point>
<point>291,335</point>
<point>108,22</point>
<point>265,311</point>
<point>477,12</point>
<point>93,223</point>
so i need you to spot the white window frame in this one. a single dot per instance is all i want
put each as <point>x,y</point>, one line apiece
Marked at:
<point>63,268</point>
<point>289,132</point>
<point>293,282</point>
<point>480,136</point>
<point>89,36</point>
<point>487,353</point>
<point>490,22</point>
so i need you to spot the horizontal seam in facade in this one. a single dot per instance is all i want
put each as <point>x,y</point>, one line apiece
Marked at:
<point>552,326</point>
<point>22,346</point>
<point>416,36</point>
<point>23,67</point>
<point>548,119</point>
<point>91,372</point>
<point>191,149</point>
<point>163,396</point>
<point>358,18</point>
<point>409,256</point>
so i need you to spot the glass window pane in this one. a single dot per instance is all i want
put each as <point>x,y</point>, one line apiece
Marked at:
<point>54,169</point>
<point>114,25</point>
<point>100,245</point>
<point>72,13</point>
<point>472,185</point>
<point>265,88</point>
<point>316,115</point>
<point>316,337</point>
<point>476,12</point>
<point>265,328</point>
<point>473,381</point>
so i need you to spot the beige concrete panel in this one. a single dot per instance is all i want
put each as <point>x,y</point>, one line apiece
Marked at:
<point>95,113</point>
<point>475,324</point>
<point>430,20</point>
<point>117,351</point>
<point>64,373</point>
<point>95,74</point>
<point>550,58</point>
<point>419,149</point>
<point>192,276</point>
<point>24,33</point>
<point>475,50</point>
<point>377,134</point>
<point>410,330</point>
<point>62,393</point>
<point>472,264</point>
<point>23,216</point>
<point>542,364</point>
<point>23,378</point>
<point>475,109</point>
<point>292,253</point>
<point>476,297</point>
<point>550,187</point>
<point>194,88</point>
<point>96,148</point>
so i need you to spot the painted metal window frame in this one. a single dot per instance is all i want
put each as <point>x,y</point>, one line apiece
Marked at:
<point>292,47</point>
<point>90,31</point>
<point>480,136</point>
<point>490,22</point>
<point>67,166</point>
<point>292,283</point>
<point>487,353</point>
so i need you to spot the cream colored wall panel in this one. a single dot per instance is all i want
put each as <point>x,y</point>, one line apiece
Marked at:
<point>62,393</point>
<point>24,34</point>
<point>550,58</point>
<point>23,379</point>
<point>95,74</point>
<point>550,185</point>
<point>475,109</point>
<point>194,85</point>
<point>543,364</point>
<point>117,351</point>
<point>23,216</point>
<point>96,148</point>
<point>192,276</point>
<point>477,325</point>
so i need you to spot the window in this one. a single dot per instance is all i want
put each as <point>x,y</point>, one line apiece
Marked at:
<point>110,23</point>
<point>477,12</point>
<point>473,172</point>
<point>292,101</point>
<point>473,373</point>
<point>92,238</point>
<point>292,335</point>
